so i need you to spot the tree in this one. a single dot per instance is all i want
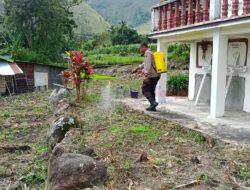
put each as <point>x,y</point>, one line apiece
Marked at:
<point>122,34</point>
<point>44,26</point>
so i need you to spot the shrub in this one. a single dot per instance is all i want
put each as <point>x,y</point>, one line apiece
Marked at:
<point>178,84</point>
<point>23,54</point>
<point>179,53</point>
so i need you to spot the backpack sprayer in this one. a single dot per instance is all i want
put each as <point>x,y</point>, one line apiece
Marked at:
<point>160,63</point>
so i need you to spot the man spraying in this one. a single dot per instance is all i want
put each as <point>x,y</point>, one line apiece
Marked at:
<point>151,77</point>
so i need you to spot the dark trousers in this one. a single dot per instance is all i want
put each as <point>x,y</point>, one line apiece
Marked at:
<point>148,88</point>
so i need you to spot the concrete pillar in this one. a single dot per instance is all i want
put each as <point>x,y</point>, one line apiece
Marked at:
<point>219,69</point>
<point>215,9</point>
<point>247,94</point>
<point>192,68</point>
<point>161,89</point>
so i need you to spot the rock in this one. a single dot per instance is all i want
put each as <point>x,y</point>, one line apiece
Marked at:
<point>58,95</point>
<point>59,128</point>
<point>195,160</point>
<point>73,143</point>
<point>70,170</point>
<point>62,107</point>
<point>74,171</point>
<point>87,151</point>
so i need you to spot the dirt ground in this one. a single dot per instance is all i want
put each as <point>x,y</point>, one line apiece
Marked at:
<point>140,152</point>
<point>23,148</point>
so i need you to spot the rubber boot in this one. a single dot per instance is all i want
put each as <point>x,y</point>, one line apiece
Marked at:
<point>153,105</point>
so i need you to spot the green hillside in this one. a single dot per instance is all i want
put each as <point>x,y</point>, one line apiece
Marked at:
<point>88,20</point>
<point>134,12</point>
<point>1,7</point>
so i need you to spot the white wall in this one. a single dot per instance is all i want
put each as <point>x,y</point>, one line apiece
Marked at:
<point>193,71</point>
<point>247,82</point>
<point>41,79</point>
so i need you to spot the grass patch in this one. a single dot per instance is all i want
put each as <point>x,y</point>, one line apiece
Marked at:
<point>37,175</point>
<point>127,164</point>
<point>5,114</point>
<point>107,59</point>
<point>38,110</point>
<point>138,132</point>
<point>93,98</point>
<point>245,173</point>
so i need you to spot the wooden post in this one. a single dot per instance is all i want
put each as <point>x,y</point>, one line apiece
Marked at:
<point>246,7</point>
<point>206,10</point>
<point>190,12</point>
<point>235,7</point>
<point>183,12</point>
<point>225,9</point>
<point>165,17</point>
<point>170,16</point>
<point>198,12</point>
<point>160,19</point>
<point>176,15</point>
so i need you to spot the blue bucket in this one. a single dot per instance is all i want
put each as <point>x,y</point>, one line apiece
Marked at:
<point>134,93</point>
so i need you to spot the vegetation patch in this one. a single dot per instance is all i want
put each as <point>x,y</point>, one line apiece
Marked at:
<point>178,84</point>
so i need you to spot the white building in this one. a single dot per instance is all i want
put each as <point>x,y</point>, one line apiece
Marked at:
<point>218,32</point>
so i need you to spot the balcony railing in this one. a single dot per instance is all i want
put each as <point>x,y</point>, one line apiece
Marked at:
<point>171,14</point>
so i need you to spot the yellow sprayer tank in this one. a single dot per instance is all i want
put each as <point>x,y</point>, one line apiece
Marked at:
<point>160,63</point>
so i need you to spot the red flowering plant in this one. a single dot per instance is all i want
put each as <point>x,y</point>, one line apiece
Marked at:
<point>79,70</point>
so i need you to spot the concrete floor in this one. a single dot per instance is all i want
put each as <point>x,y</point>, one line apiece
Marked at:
<point>233,128</point>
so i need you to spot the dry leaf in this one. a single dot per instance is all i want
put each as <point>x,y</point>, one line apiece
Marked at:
<point>143,157</point>
<point>130,184</point>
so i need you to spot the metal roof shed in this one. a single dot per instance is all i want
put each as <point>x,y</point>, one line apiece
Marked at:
<point>7,75</point>
<point>9,69</point>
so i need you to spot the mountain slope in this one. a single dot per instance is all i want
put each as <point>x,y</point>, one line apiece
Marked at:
<point>134,12</point>
<point>88,20</point>
<point>1,7</point>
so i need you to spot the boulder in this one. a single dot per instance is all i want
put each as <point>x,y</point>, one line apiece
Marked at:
<point>58,94</point>
<point>73,142</point>
<point>59,128</point>
<point>70,169</point>
<point>74,171</point>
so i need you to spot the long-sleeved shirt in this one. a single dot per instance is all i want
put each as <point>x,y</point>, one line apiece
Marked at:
<point>148,65</point>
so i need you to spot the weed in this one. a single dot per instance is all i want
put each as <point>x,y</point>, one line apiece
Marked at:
<point>40,148</point>
<point>3,134</point>
<point>38,110</point>
<point>206,179</point>
<point>245,173</point>
<point>127,164</point>
<point>159,161</point>
<point>94,98</point>
<point>5,114</point>
<point>37,174</point>
<point>198,138</point>
<point>142,133</point>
